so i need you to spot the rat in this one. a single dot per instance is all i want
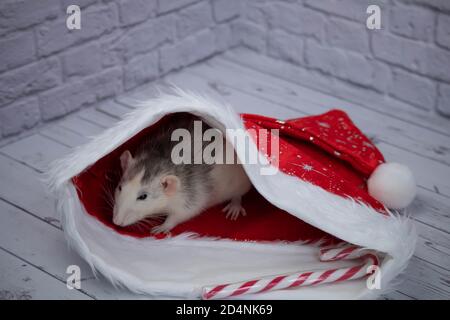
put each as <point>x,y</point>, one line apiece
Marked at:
<point>152,185</point>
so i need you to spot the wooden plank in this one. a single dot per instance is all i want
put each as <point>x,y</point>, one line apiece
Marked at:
<point>44,246</point>
<point>99,118</point>
<point>241,102</point>
<point>433,246</point>
<point>35,151</point>
<point>63,135</point>
<point>114,109</point>
<point>431,209</point>
<point>133,98</point>
<point>396,295</point>
<point>385,127</point>
<point>81,126</point>
<point>429,174</point>
<point>22,281</point>
<point>22,186</point>
<point>286,71</point>
<point>422,280</point>
<point>38,243</point>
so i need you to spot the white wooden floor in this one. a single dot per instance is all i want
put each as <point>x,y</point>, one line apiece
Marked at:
<point>33,252</point>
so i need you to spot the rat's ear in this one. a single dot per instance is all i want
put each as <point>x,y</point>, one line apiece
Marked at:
<point>125,160</point>
<point>170,184</point>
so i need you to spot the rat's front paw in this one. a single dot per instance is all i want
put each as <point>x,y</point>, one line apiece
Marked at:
<point>162,228</point>
<point>234,210</point>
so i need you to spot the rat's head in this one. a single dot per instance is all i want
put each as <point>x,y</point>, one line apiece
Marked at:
<point>140,195</point>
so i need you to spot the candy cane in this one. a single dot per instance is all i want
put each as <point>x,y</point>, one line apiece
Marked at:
<point>306,278</point>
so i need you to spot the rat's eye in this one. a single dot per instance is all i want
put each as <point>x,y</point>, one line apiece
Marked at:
<point>120,188</point>
<point>142,197</point>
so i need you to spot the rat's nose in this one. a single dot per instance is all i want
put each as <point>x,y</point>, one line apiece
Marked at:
<point>123,220</point>
<point>116,220</point>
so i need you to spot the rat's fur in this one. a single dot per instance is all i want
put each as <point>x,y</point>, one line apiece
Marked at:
<point>180,191</point>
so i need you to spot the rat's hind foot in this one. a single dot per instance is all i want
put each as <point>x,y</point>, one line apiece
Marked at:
<point>234,209</point>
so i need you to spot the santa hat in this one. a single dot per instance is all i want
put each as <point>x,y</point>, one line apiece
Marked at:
<point>343,161</point>
<point>332,188</point>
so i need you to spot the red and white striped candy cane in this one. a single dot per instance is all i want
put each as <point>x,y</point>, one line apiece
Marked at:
<point>302,279</point>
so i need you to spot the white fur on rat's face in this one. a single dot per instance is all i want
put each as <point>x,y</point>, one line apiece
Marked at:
<point>135,201</point>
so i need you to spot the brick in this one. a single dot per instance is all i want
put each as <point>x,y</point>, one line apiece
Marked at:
<point>254,11</point>
<point>285,46</point>
<point>443,5</point>
<point>83,60</point>
<point>351,91</point>
<point>20,14</point>
<point>17,50</point>
<point>437,64</point>
<point>250,35</point>
<point>351,9</point>
<point>345,65</point>
<point>347,35</point>
<point>80,3</point>
<point>189,50</point>
<point>296,19</point>
<point>443,30</point>
<point>135,11</point>
<point>413,89</point>
<point>412,22</point>
<point>381,76</point>
<point>165,6</point>
<point>226,9</point>
<point>140,70</point>
<point>112,53</point>
<point>95,21</point>
<point>396,50</point>
<point>325,59</point>
<point>443,101</point>
<point>76,94</point>
<point>143,38</point>
<point>415,56</point>
<point>194,18</point>
<point>19,116</point>
<point>32,78</point>
<point>224,37</point>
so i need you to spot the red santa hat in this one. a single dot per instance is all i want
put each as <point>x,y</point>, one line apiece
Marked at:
<point>331,184</point>
<point>329,151</point>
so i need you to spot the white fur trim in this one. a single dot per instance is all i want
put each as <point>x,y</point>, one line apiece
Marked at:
<point>141,264</point>
<point>393,185</point>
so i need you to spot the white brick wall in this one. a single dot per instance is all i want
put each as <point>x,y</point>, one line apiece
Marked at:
<point>407,60</point>
<point>47,71</point>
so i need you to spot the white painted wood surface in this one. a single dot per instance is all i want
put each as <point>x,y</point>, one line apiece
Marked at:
<point>32,242</point>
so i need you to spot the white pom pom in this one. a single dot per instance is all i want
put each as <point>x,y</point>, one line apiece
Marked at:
<point>393,185</point>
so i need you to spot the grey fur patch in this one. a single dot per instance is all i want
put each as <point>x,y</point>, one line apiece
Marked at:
<point>154,157</point>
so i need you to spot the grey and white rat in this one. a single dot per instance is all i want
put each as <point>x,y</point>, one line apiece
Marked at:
<point>152,185</point>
